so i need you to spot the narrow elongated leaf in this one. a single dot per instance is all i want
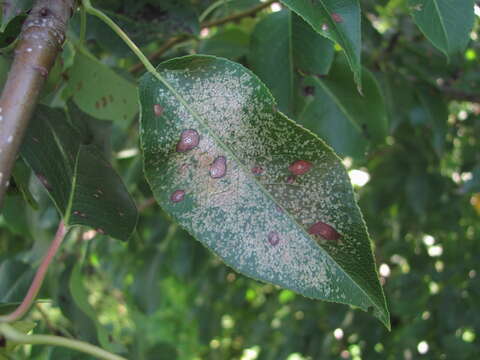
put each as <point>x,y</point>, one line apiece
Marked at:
<point>83,185</point>
<point>253,186</point>
<point>338,20</point>
<point>284,47</point>
<point>446,23</point>
<point>100,92</point>
<point>348,121</point>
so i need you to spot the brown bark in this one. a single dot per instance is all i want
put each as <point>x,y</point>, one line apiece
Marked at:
<point>40,41</point>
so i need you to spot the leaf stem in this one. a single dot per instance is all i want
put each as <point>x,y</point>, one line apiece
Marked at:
<point>83,24</point>
<point>10,334</point>
<point>99,14</point>
<point>38,279</point>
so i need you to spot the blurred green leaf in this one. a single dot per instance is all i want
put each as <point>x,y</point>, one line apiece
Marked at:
<point>346,120</point>
<point>446,24</point>
<point>231,43</point>
<point>251,185</point>
<point>11,9</point>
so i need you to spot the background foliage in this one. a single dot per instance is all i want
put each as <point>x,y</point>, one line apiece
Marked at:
<point>413,134</point>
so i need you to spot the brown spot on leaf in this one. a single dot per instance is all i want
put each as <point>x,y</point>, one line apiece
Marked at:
<point>158,110</point>
<point>218,169</point>
<point>324,230</point>
<point>189,139</point>
<point>177,196</point>
<point>300,167</point>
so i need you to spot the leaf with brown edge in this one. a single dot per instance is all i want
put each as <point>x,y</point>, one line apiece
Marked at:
<point>254,183</point>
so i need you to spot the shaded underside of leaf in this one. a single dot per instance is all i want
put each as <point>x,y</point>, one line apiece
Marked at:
<point>338,20</point>
<point>446,23</point>
<point>84,187</point>
<point>235,191</point>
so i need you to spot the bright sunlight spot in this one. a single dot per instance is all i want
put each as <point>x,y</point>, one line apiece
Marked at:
<point>359,177</point>
<point>422,347</point>
<point>276,7</point>
<point>250,353</point>
<point>436,250</point>
<point>384,270</point>
<point>338,334</point>
<point>428,240</point>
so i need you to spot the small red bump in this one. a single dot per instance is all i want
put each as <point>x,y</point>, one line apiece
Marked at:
<point>218,169</point>
<point>337,18</point>
<point>158,110</point>
<point>300,167</point>
<point>324,230</point>
<point>273,238</point>
<point>188,140</point>
<point>257,170</point>
<point>290,180</point>
<point>177,196</point>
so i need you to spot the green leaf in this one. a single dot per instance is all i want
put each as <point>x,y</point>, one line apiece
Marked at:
<point>346,120</point>
<point>231,43</point>
<point>338,20</point>
<point>283,47</point>
<point>80,296</point>
<point>446,23</point>
<point>256,183</point>
<point>84,187</point>
<point>100,92</point>
<point>11,9</point>
<point>143,21</point>
<point>15,278</point>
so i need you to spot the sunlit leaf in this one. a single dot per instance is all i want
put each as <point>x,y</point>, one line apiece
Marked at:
<point>268,197</point>
<point>100,92</point>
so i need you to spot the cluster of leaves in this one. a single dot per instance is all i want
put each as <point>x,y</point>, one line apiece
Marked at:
<point>406,114</point>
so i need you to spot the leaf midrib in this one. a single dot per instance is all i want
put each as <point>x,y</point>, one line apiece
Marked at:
<point>444,30</point>
<point>180,98</point>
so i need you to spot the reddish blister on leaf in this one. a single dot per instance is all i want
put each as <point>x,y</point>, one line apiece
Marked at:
<point>300,167</point>
<point>189,139</point>
<point>324,230</point>
<point>158,110</point>
<point>337,18</point>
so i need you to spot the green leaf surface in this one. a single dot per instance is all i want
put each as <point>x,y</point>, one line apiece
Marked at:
<point>84,187</point>
<point>255,184</point>
<point>80,296</point>
<point>11,9</point>
<point>346,120</point>
<point>284,47</point>
<point>231,43</point>
<point>446,23</point>
<point>338,20</point>
<point>15,279</point>
<point>100,92</point>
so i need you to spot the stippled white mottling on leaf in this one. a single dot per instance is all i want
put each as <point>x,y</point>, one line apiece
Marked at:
<point>256,221</point>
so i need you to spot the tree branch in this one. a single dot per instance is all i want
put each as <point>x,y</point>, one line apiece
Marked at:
<point>40,41</point>
<point>238,16</point>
